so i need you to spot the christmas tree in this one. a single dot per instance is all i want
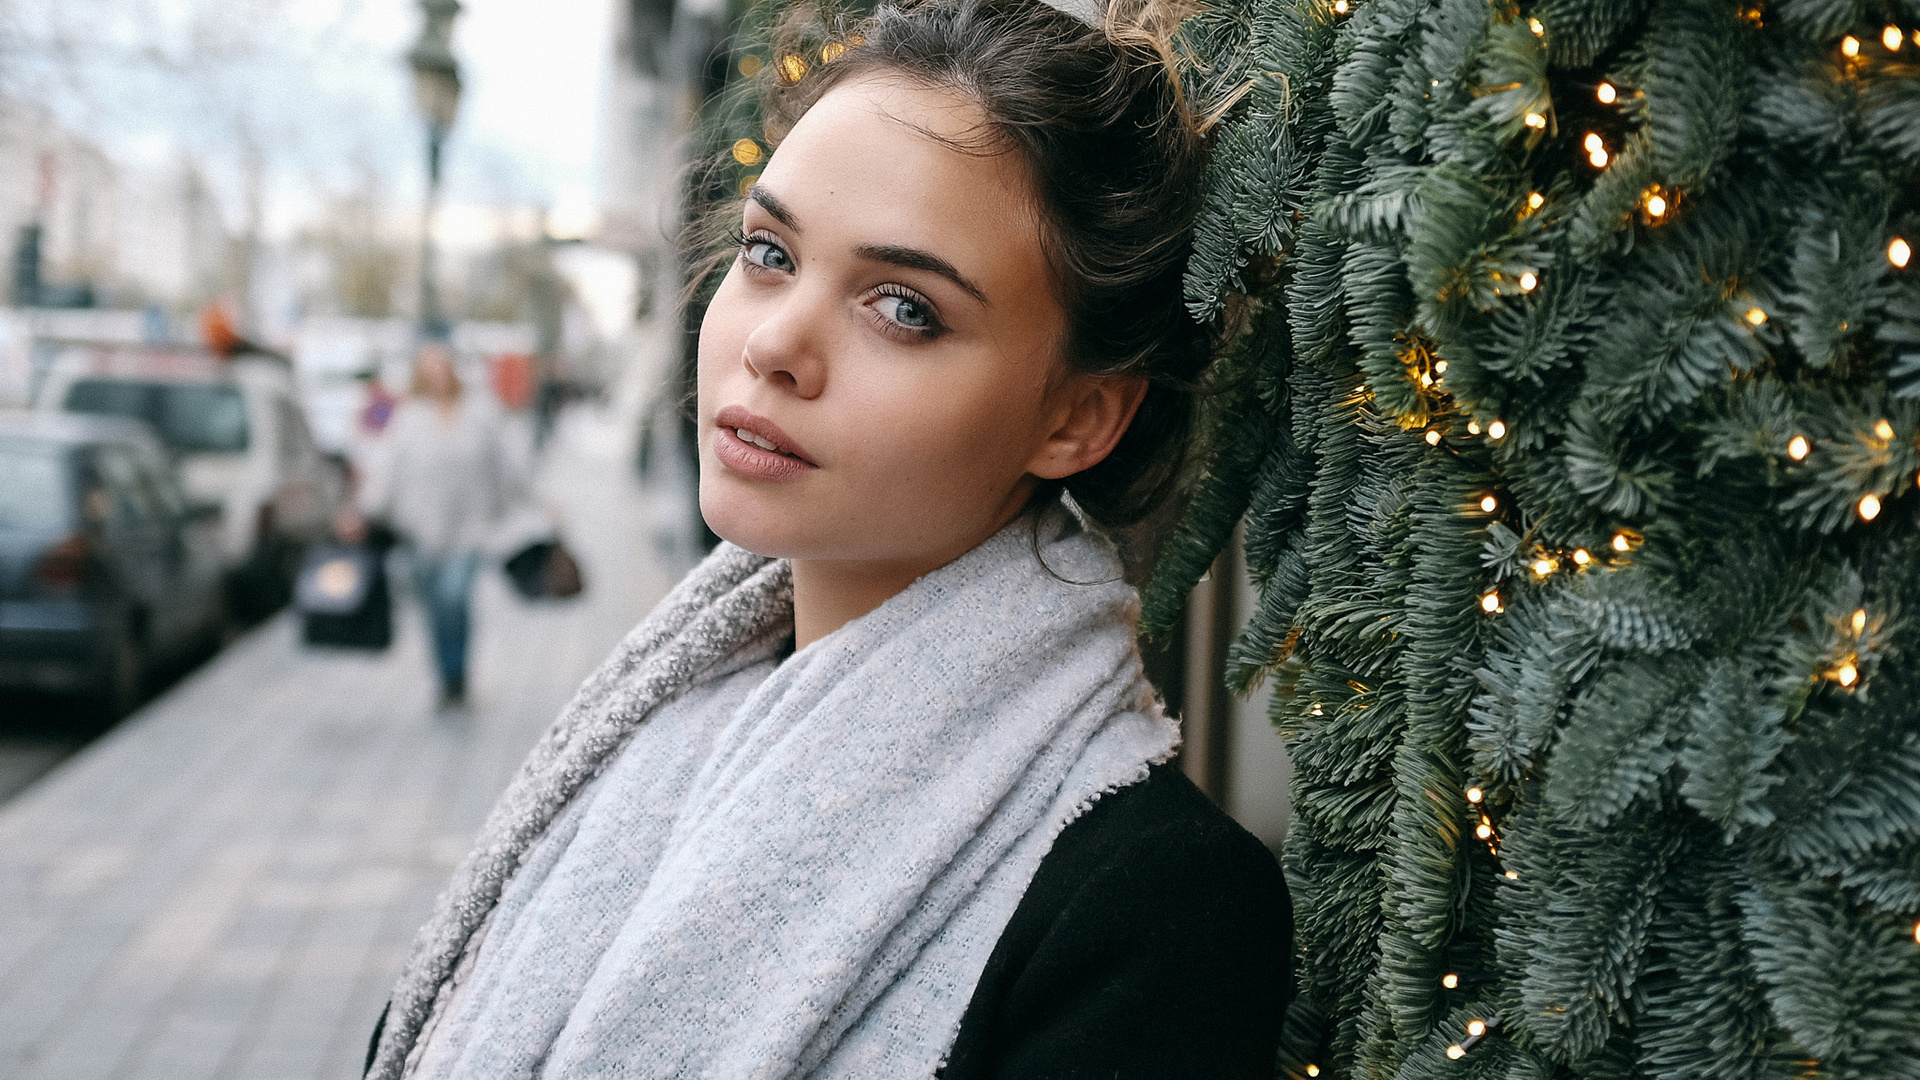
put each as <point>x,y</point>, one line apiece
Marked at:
<point>1572,410</point>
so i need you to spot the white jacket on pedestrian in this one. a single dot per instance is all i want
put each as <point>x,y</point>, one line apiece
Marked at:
<point>445,481</point>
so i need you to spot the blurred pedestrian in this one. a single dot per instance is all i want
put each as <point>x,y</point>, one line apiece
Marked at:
<point>442,479</point>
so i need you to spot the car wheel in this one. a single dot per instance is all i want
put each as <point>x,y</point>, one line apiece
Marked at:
<point>124,678</point>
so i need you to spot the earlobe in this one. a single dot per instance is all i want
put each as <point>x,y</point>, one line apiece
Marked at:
<point>1099,410</point>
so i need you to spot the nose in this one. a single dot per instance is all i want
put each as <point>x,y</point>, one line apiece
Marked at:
<point>787,346</point>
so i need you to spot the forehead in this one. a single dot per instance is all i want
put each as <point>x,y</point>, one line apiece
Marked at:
<point>884,160</point>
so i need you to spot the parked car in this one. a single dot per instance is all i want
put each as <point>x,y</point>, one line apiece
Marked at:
<point>241,439</point>
<point>107,568</point>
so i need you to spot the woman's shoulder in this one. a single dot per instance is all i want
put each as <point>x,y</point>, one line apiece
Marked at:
<point>1154,941</point>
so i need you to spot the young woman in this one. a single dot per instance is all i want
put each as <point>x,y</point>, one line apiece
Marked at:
<point>880,790</point>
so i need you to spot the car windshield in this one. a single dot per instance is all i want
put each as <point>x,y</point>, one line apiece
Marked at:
<point>189,417</point>
<point>35,495</point>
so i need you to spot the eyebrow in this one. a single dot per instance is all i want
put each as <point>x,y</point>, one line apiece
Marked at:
<point>774,206</point>
<point>915,259</point>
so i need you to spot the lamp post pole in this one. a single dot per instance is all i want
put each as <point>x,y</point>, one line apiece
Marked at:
<point>436,94</point>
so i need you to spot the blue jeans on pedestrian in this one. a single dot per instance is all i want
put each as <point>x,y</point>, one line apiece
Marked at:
<point>444,584</point>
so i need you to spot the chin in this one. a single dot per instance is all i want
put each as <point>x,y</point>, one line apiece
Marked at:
<point>744,521</point>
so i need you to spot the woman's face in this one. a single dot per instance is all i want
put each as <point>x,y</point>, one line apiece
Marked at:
<point>891,329</point>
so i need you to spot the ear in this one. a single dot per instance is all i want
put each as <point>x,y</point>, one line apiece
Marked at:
<point>1091,414</point>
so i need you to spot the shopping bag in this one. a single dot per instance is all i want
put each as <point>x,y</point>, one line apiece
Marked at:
<point>342,597</point>
<point>544,570</point>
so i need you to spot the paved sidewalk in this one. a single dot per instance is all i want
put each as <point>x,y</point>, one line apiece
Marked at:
<point>225,886</point>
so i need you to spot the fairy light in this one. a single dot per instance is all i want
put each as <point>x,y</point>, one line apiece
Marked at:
<point>1596,149</point>
<point>1544,567</point>
<point>1483,831</point>
<point>1528,280</point>
<point>1916,933</point>
<point>1869,506</point>
<point>1476,1027</point>
<point>1490,603</point>
<point>1488,504</point>
<point>1850,46</point>
<point>1341,7</point>
<point>831,51</point>
<point>746,152</point>
<point>1426,380</point>
<point>792,68</point>
<point>1846,674</point>
<point>1756,316</point>
<point>1313,1070</point>
<point>1535,200</point>
<point>1883,429</point>
<point>1899,253</point>
<point>1497,430</point>
<point>746,183</point>
<point>1315,711</point>
<point>1433,437</point>
<point>1621,542</point>
<point>1859,620</point>
<point>1797,448</point>
<point>1474,795</point>
<point>1456,1051</point>
<point>1581,557</point>
<point>1439,367</point>
<point>750,66</point>
<point>1535,121</point>
<point>1540,30</point>
<point>1606,93</point>
<point>1892,38</point>
<point>1451,981</point>
<point>1513,875</point>
<point>1656,204</point>
<point>1473,427</point>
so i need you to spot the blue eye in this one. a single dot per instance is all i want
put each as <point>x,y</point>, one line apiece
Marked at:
<point>767,254</point>
<point>906,311</point>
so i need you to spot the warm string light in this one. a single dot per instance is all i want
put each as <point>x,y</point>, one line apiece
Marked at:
<point>746,152</point>
<point>1655,200</point>
<point>1916,933</point>
<point>750,66</point>
<point>1899,253</point>
<point>1868,507</point>
<point>791,68</point>
<point>1596,149</point>
<point>1892,38</point>
<point>1622,542</point>
<point>1473,427</point>
<point>1534,120</point>
<point>747,182</point>
<point>1452,981</point>
<point>1313,1070</point>
<point>1846,674</point>
<point>1488,504</point>
<point>1850,46</point>
<point>1544,567</point>
<point>1483,830</point>
<point>1581,557</point>
<point>1433,437</point>
<point>1341,7</point>
<point>1540,30</point>
<point>1606,93</point>
<point>1798,447</point>
<point>1882,429</point>
<point>1535,200</point>
<point>1490,603</point>
<point>1756,316</point>
<point>1528,280</point>
<point>1474,795</point>
<point>1456,1051</point>
<point>1476,1027</point>
<point>831,51</point>
<point>1859,621</point>
<point>1513,875</point>
<point>1497,430</point>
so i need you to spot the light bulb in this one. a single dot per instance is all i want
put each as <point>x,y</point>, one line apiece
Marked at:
<point>1340,7</point>
<point>1756,316</point>
<point>1315,711</point>
<point>1473,427</point>
<point>1450,980</point>
<point>1598,158</point>
<point>1797,448</point>
<point>1846,674</point>
<point>1883,429</point>
<point>1539,29</point>
<point>1497,430</point>
<point>791,68</point>
<point>1869,507</point>
<point>1528,280</point>
<point>1544,567</point>
<point>1483,830</point>
<point>1656,206</point>
<point>1607,95</point>
<point>1490,603</point>
<point>746,151</point>
<point>1859,619</point>
<point>1593,142</point>
<point>1455,1052</point>
<point>1534,120</point>
<point>1513,875</point>
<point>1621,542</point>
<point>1899,252</point>
<point>1581,557</point>
<point>1476,1027</point>
<point>1313,1070</point>
<point>1433,437</point>
<point>1439,367</point>
<point>1850,46</point>
<point>1426,380</point>
<point>1536,200</point>
<point>1892,38</point>
<point>750,66</point>
<point>1916,933</point>
<point>1474,794</point>
<point>1488,504</point>
<point>831,51</point>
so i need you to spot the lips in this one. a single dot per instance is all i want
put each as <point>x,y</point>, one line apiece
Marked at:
<point>755,446</point>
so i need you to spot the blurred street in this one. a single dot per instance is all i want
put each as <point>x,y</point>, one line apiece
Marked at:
<point>225,884</point>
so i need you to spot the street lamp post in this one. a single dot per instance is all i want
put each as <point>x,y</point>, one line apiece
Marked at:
<point>436,94</point>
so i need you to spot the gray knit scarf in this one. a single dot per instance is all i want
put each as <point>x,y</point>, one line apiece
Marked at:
<point>817,894</point>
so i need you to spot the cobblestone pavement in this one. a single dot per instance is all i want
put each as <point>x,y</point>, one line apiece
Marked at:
<point>225,885</point>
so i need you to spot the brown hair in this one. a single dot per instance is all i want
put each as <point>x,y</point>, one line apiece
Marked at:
<point>1098,116</point>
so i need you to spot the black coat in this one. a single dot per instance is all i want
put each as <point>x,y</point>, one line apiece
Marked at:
<point>1155,942</point>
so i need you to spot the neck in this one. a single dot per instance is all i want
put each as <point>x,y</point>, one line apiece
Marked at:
<point>830,593</point>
